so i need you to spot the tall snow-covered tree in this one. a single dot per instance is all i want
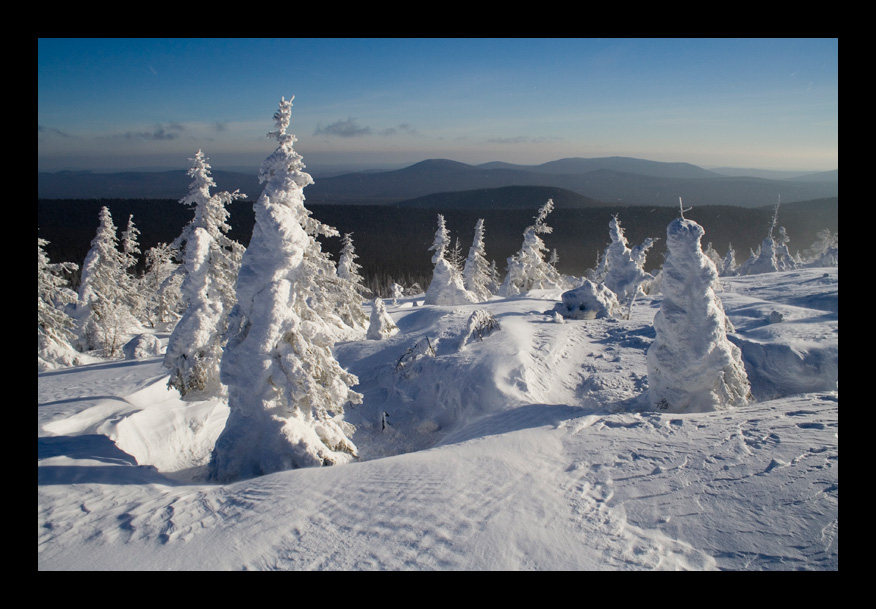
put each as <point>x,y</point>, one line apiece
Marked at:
<point>211,263</point>
<point>55,328</point>
<point>476,273</point>
<point>350,289</point>
<point>692,365</point>
<point>130,246</point>
<point>286,391</point>
<point>446,287</point>
<point>528,269</point>
<point>104,320</point>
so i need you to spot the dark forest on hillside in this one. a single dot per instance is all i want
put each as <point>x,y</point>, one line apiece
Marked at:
<point>393,242</point>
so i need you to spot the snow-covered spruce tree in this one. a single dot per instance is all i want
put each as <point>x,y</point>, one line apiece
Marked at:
<point>765,260</point>
<point>622,269</point>
<point>130,246</point>
<point>103,318</point>
<point>286,391</point>
<point>381,325</point>
<point>784,260</point>
<point>527,269</point>
<point>211,261</point>
<point>692,366</point>
<point>349,289</point>
<point>55,329</point>
<point>728,266</point>
<point>160,284</point>
<point>476,273</point>
<point>824,251</point>
<point>447,287</point>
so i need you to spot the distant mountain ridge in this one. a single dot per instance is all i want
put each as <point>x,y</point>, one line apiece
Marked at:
<point>610,180</point>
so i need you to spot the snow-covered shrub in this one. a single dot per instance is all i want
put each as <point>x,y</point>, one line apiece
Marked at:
<point>381,325</point>
<point>421,349</point>
<point>692,366</point>
<point>588,301</point>
<point>481,324</point>
<point>528,269</point>
<point>286,391</point>
<point>143,346</point>
<point>447,286</point>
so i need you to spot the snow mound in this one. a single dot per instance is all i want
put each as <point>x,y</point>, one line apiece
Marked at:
<point>589,301</point>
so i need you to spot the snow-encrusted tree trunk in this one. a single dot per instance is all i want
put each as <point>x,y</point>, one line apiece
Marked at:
<point>102,315</point>
<point>476,274</point>
<point>446,287</point>
<point>211,261</point>
<point>692,365</point>
<point>55,329</point>
<point>286,391</point>
<point>527,269</point>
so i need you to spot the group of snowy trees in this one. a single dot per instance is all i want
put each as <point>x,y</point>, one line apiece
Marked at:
<point>257,326</point>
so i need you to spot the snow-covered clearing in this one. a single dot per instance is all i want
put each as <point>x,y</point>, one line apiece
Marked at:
<point>532,449</point>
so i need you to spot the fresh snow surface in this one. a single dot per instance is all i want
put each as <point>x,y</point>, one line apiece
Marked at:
<point>531,449</point>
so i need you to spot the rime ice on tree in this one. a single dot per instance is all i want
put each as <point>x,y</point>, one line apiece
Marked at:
<point>622,270</point>
<point>286,391</point>
<point>692,366</point>
<point>476,274</point>
<point>527,269</point>
<point>194,349</point>
<point>446,287</point>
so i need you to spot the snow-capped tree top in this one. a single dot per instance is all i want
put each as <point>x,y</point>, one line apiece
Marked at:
<point>284,164</point>
<point>442,240</point>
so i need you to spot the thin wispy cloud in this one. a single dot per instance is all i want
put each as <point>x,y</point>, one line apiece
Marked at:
<point>51,131</point>
<point>523,139</point>
<point>402,129</point>
<point>343,128</point>
<point>171,131</point>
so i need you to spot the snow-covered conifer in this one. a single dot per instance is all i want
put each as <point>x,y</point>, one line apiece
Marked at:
<point>824,251</point>
<point>692,365</point>
<point>104,320</point>
<point>348,268</point>
<point>286,391</point>
<point>130,246</point>
<point>446,287</point>
<point>476,274</point>
<point>784,260</point>
<point>728,265</point>
<point>160,285</point>
<point>622,269</point>
<point>527,269</point>
<point>211,262</point>
<point>55,329</point>
<point>381,325</point>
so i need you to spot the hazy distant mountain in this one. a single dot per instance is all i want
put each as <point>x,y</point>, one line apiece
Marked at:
<point>611,180</point>
<point>505,197</point>
<point>136,184</point>
<point>770,174</point>
<point>578,165</point>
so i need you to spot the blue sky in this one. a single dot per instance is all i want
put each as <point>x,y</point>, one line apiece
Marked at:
<point>117,104</point>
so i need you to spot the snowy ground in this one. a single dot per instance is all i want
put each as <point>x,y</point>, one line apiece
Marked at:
<point>529,450</point>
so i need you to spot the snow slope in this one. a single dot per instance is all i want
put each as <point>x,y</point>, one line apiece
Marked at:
<point>531,449</point>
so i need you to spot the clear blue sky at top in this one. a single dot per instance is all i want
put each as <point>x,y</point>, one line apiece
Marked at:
<point>108,103</point>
